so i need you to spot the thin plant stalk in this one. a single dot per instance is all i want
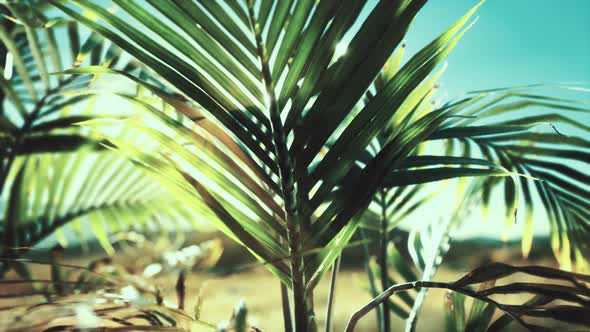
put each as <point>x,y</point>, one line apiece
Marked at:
<point>371,277</point>
<point>383,260</point>
<point>332,295</point>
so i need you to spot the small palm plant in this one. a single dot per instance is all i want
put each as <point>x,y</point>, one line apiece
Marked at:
<point>272,145</point>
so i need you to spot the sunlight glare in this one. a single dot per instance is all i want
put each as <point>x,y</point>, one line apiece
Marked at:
<point>340,50</point>
<point>8,66</point>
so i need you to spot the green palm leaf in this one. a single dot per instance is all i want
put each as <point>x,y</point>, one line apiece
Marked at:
<point>53,172</point>
<point>539,151</point>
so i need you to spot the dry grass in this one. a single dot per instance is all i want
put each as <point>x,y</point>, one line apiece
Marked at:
<point>261,292</point>
<point>219,293</point>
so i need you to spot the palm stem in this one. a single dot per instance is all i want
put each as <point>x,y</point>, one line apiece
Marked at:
<point>383,260</point>
<point>288,188</point>
<point>332,294</point>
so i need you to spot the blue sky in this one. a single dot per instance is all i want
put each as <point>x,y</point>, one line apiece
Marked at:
<point>514,42</point>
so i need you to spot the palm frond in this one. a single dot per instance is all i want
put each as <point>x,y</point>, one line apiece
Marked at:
<point>300,79</point>
<point>550,146</point>
<point>53,172</point>
<point>404,190</point>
